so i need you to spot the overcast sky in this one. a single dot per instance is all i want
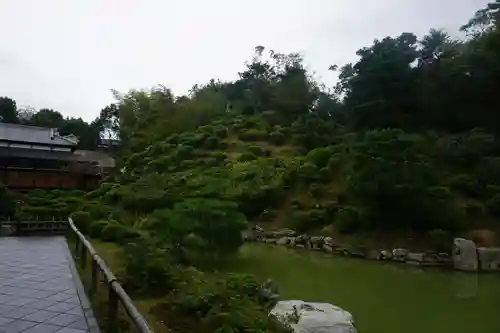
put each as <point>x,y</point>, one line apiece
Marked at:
<point>68,55</point>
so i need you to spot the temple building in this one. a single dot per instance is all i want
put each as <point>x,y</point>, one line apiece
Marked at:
<point>38,157</point>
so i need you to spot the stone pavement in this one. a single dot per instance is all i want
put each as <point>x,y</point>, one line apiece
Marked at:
<point>40,291</point>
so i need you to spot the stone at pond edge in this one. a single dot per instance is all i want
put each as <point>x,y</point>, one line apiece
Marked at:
<point>399,254</point>
<point>489,259</point>
<point>415,258</point>
<point>385,255</point>
<point>465,255</point>
<point>282,241</point>
<point>327,248</point>
<point>329,242</point>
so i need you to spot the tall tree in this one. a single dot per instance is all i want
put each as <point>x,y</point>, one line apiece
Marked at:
<point>47,118</point>
<point>8,110</point>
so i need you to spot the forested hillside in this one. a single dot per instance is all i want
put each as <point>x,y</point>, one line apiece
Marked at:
<point>408,140</point>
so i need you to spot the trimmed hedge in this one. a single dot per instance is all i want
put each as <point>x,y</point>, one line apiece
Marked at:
<point>118,233</point>
<point>82,221</point>
<point>97,227</point>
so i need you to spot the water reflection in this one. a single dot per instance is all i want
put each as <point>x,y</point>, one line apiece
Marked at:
<point>465,285</point>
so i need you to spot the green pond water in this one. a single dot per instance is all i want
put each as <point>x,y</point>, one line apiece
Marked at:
<point>383,297</point>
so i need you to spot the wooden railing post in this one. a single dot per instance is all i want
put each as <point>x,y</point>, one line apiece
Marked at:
<point>83,260</point>
<point>116,293</point>
<point>112,310</point>
<point>94,278</point>
<point>77,241</point>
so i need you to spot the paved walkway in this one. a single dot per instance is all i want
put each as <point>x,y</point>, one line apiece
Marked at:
<point>40,291</point>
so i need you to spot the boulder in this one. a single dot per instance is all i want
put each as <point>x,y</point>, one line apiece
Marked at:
<point>489,259</point>
<point>415,258</point>
<point>282,241</point>
<point>291,241</point>
<point>302,240</point>
<point>329,242</point>
<point>258,228</point>
<point>385,255</point>
<point>399,254</point>
<point>316,242</point>
<point>327,248</point>
<point>268,293</point>
<point>465,255</point>
<point>313,317</point>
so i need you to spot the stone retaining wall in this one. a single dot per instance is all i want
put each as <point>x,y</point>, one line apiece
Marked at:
<point>486,259</point>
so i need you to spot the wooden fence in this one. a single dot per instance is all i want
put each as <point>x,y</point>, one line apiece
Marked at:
<point>11,227</point>
<point>116,294</point>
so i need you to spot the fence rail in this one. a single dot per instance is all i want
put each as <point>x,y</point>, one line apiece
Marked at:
<point>116,293</point>
<point>10,227</point>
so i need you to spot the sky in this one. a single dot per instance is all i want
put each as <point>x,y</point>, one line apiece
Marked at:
<point>68,54</point>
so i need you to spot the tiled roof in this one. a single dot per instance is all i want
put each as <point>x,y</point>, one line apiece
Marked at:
<point>36,154</point>
<point>32,134</point>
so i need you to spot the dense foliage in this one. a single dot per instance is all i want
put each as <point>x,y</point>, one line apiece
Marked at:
<point>408,140</point>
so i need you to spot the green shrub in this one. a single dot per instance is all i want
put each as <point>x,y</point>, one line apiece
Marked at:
<point>211,142</point>
<point>220,132</point>
<point>349,220</point>
<point>184,152</point>
<point>149,270</point>
<point>303,221</point>
<point>97,227</point>
<point>197,307</point>
<point>246,157</point>
<point>491,190</point>
<point>440,240</point>
<point>116,232</point>
<point>335,162</point>
<point>82,221</point>
<point>199,228</point>
<point>331,208</point>
<point>493,205</point>
<point>309,171</point>
<point>252,135</point>
<point>325,174</point>
<point>474,209</point>
<point>466,184</point>
<point>256,150</point>
<point>268,215</point>
<point>319,156</point>
<point>98,211</point>
<point>219,156</point>
<point>316,190</point>
<point>277,138</point>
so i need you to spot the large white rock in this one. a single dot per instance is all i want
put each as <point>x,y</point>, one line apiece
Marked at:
<point>465,255</point>
<point>314,317</point>
<point>489,258</point>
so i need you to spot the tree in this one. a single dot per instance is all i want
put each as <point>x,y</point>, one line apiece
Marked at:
<point>46,118</point>
<point>8,110</point>
<point>7,203</point>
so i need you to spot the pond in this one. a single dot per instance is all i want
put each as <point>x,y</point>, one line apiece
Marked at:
<point>382,297</point>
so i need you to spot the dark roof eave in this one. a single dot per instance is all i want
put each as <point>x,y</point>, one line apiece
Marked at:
<point>68,145</point>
